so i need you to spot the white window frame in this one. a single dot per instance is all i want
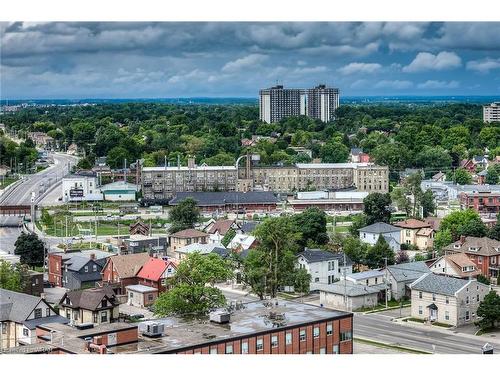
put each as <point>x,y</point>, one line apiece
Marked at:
<point>229,349</point>
<point>274,341</point>
<point>259,345</point>
<point>244,347</point>
<point>329,329</point>
<point>316,332</point>
<point>302,335</point>
<point>288,338</point>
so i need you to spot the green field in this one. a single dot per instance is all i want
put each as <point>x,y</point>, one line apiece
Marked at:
<point>4,182</point>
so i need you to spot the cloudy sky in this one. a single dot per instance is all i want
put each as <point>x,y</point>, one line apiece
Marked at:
<point>146,60</point>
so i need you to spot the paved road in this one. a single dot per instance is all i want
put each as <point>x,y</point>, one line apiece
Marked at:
<point>379,327</point>
<point>21,194</point>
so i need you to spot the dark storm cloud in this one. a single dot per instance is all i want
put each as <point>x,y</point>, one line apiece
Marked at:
<point>118,59</point>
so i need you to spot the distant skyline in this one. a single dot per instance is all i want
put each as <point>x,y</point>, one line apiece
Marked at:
<point>212,59</point>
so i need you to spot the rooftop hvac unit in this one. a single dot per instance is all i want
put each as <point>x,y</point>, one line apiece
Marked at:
<point>220,316</point>
<point>152,329</point>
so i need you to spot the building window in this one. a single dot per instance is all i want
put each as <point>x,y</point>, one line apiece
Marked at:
<point>316,332</point>
<point>26,332</point>
<point>260,345</point>
<point>244,347</point>
<point>335,349</point>
<point>94,268</point>
<point>433,297</point>
<point>47,312</point>
<point>302,335</point>
<point>420,295</point>
<point>329,329</point>
<point>322,350</point>
<point>86,269</point>
<point>288,338</point>
<point>420,311</point>
<point>467,315</point>
<point>4,328</point>
<point>274,341</point>
<point>150,297</point>
<point>68,313</point>
<point>447,315</point>
<point>104,316</point>
<point>104,303</point>
<point>229,349</point>
<point>345,336</point>
<point>447,300</point>
<point>213,350</point>
<point>38,313</point>
<point>477,298</point>
<point>467,300</point>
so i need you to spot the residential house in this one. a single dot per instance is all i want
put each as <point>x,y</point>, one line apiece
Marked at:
<point>468,165</point>
<point>34,286</point>
<point>187,237</point>
<point>324,267</point>
<point>348,296</point>
<point>368,278</point>
<point>456,265</point>
<point>480,161</point>
<point>484,252</point>
<point>218,229</point>
<point>417,233</point>
<point>72,149</point>
<point>121,270</point>
<point>95,306</point>
<point>446,300</point>
<point>20,314</point>
<point>483,202</point>
<point>139,228</point>
<point>76,269</point>
<point>247,227</point>
<point>439,177</point>
<point>371,233</point>
<point>156,272</point>
<point>400,276</point>
<point>202,248</point>
<point>358,156</point>
<point>141,295</point>
<point>241,242</point>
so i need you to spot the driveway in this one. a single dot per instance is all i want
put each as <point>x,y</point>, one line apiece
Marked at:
<point>396,313</point>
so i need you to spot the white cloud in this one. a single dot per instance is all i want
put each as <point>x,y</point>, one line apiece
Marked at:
<point>431,84</point>
<point>396,84</point>
<point>249,61</point>
<point>360,83</point>
<point>427,61</point>
<point>361,68</point>
<point>484,65</point>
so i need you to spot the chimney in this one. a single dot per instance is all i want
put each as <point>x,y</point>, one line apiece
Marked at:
<point>191,162</point>
<point>92,256</point>
<point>43,295</point>
<point>462,239</point>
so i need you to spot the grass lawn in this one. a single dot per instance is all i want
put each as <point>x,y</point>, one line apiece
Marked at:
<point>340,229</point>
<point>390,304</point>
<point>389,346</point>
<point>442,325</point>
<point>415,320</point>
<point>6,182</point>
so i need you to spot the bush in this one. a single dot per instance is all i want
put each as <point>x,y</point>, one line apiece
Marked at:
<point>483,279</point>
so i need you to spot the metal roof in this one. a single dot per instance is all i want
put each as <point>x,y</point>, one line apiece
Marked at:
<point>379,228</point>
<point>220,198</point>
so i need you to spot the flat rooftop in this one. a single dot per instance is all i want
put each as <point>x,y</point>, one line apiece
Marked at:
<point>251,319</point>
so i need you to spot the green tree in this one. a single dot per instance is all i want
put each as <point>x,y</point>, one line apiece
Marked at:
<point>30,248</point>
<point>492,176</point>
<point>116,157</point>
<point>228,237</point>
<point>442,238</point>
<point>184,216</point>
<point>428,204</point>
<point>376,254</point>
<point>13,277</point>
<point>463,223</point>
<point>193,286</point>
<point>461,177</point>
<point>483,279</point>
<point>355,249</point>
<point>376,208</point>
<point>495,231</point>
<point>358,221</point>
<point>489,311</point>
<point>312,225</point>
<point>334,153</point>
<point>272,264</point>
<point>301,281</point>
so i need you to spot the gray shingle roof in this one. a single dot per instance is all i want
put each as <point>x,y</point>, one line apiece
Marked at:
<point>366,274</point>
<point>218,198</point>
<point>348,287</point>
<point>380,228</point>
<point>318,255</point>
<point>16,306</point>
<point>248,226</point>
<point>408,271</point>
<point>439,284</point>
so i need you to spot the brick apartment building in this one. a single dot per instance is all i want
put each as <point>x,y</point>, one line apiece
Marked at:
<point>484,202</point>
<point>484,252</point>
<point>262,327</point>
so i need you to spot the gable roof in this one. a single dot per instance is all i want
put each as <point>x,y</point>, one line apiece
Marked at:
<point>88,299</point>
<point>203,248</point>
<point>128,265</point>
<point>485,246</point>
<point>408,272</point>
<point>318,255</point>
<point>425,232</point>
<point>189,233</point>
<point>248,226</point>
<point>439,284</point>
<point>16,306</point>
<point>457,261</point>
<point>154,268</point>
<point>221,226</point>
<point>365,274</point>
<point>379,228</point>
<point>244,240</point>
<point>348,287</point>
<point>412,224</point>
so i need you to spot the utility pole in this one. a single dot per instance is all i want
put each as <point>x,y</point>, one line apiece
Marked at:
<point>385,281</point>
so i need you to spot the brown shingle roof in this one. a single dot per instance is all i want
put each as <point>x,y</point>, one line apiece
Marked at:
<point>426,232</point>
<point>485,246</point>
<point>89,299</point>
<point>189,233</point>
<point>129,265</point>
<point>222,226</point>
<point>412,224</point>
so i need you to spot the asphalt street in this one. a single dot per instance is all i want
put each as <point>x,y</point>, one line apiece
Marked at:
<point>40,183</point>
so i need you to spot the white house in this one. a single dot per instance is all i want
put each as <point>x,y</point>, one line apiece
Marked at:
<point>324,267</point>
<point>242,242</point>
<point>371,233</point>
<point>77,188</point>
<point>448,300</point>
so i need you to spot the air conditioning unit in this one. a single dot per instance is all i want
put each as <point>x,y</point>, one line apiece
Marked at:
<point>220,316</point>
<point>152,329</point>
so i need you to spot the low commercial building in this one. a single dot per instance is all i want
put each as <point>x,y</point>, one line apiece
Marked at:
<point>337,201</point>
<point>89,306</point>
<point>20,315</point>
<point>446,300</point>
<point>224,202</point>
<point>348,295</point>
<point>78,188</point>
<point>325,267</point>
<point>139,243</point>
<point>119,191</point>
<point>141,295</point>
<point>261,327</point>
<point>371,233</point>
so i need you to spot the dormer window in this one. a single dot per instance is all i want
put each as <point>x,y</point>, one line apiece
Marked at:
<point>473,249</point>
<point>456,246</point>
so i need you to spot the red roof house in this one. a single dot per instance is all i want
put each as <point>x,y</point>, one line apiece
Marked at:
<point>156,272</point>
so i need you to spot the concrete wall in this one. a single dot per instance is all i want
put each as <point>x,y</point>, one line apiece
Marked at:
<point>336,301</point>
